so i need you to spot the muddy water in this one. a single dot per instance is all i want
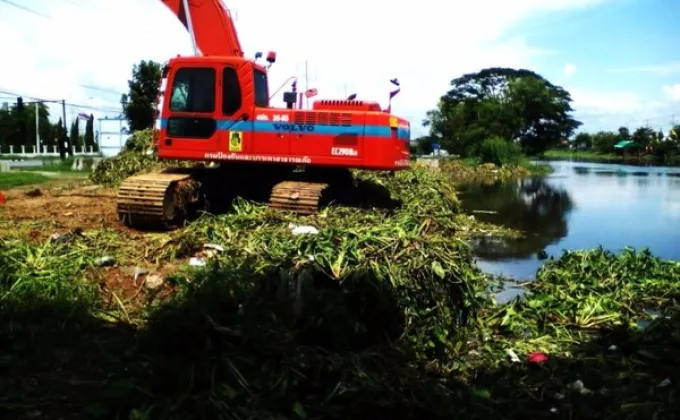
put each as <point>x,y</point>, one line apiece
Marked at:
<point>580,205</point>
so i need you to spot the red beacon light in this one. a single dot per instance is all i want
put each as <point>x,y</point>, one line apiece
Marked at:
<point>271,57</point>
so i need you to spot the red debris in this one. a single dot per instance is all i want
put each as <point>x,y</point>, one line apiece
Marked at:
<point>2,199</point>
<point>537,357</point>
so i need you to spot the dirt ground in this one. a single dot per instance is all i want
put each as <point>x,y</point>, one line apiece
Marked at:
<point>61,207</point>
<point>35,213</point>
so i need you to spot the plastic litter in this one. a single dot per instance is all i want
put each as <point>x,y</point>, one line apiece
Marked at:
<point>196,262</point>
<point>303,230</point>
<point>513,356</point>
<point>537,357</point>
<point>664,383</point>
<point>105,261</point>
<point>154,281</point>
<point>214,246</point>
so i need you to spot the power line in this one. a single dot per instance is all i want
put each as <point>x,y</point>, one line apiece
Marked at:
<point>71,104</point>
<point>25,9</point>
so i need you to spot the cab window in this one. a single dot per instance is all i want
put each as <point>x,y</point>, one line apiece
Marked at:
<point>261,94</point>
<point>193,90</point>
<point>231,92</point>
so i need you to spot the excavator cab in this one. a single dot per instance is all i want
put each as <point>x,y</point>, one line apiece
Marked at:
<point>206,100</point>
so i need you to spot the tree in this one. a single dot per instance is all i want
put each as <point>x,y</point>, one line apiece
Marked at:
<point>644,136</point>
<point>423,145</point>
<point>583,140</point>
<point>516,105</point>
<point>660,136</point>
<point>89,132</point>
<point>674,133</point>
<point>604,141</point>
<point>624,133</point>
<point>74,134</point>
<point>144,88</point>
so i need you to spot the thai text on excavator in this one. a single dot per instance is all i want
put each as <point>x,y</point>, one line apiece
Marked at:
<point>258,158</point>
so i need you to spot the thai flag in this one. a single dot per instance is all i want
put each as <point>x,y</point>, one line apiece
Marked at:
<point>83,116</point>
<point>311,92</point>
<point>394,93</point>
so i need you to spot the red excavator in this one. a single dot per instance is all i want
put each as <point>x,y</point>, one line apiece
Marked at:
<point>215,108</point>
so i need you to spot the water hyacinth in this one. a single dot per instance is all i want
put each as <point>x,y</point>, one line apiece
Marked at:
<point>352,313</point>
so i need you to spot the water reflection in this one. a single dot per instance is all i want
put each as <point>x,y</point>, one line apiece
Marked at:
<point>581,205</point>
<point>531,206</point>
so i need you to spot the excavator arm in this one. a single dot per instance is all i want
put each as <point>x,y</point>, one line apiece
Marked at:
<point>210,25</point>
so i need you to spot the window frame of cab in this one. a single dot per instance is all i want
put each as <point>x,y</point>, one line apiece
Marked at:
<point>261,88</point>
<point>195,126</point>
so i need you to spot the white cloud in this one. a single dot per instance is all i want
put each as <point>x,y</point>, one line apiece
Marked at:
<point>672,92</point>
<point>358,44</point>
<point>608,110</point>
<point>569,70</point>
<point>603,102</point>
<point>658,69</point>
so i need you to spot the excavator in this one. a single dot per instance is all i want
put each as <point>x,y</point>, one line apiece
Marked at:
<point>214,110</point>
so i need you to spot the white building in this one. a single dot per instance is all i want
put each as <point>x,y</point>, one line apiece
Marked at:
<point>113,133</point>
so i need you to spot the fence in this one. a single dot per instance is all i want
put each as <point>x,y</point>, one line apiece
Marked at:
<point>31,151</point>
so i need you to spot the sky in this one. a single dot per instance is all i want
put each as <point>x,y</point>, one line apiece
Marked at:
<point>618,58</point>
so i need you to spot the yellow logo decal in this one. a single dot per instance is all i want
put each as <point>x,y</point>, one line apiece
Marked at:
<point>236,141</point>
<point>394,122</point>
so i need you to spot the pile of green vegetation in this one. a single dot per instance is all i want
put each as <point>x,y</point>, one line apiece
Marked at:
<point>378,312</point>
<point>137,157</point>
<point>473,170</point>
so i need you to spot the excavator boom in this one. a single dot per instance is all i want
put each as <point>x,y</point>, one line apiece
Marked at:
<point>216,34</point>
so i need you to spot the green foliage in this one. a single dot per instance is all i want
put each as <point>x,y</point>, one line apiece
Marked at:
<point>136,157</point>
<point>423,146</point>
<point>17,127</point>
<point>89,132</point>
<point>499,151</point>
<point>501,102</point>
<point>653,147</point>
<point>583,140</point>
<point>74,134</point>
<point>624,133</point>
<point>604,141</point>
<point>144,89</point>
<point>644,136</point>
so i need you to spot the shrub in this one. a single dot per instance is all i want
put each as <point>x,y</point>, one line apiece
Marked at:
<point>499,151</point>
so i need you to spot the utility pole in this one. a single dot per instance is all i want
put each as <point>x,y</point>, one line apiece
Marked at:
<point>62,152</point>
<point>37,127</point>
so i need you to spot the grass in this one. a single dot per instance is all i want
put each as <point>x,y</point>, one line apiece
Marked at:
<point>363,319</point>
<point>594,156</point>
<point>20,179</point>
<point>382,313</point>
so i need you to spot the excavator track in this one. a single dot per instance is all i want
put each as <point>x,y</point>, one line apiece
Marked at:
<point>152,199</point>
<point>296,196</point>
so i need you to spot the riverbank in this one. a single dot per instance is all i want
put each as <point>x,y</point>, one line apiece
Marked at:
<point>356,312</point>
<point>462,171</point>
<point>592,156</point>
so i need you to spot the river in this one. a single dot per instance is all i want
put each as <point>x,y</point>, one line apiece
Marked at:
<point>580,205</point>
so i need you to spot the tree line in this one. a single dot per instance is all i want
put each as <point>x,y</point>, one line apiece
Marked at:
<point>499,114</point>
<point>663,147</point>
<point>17,121</point>
<point>18,128</point>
